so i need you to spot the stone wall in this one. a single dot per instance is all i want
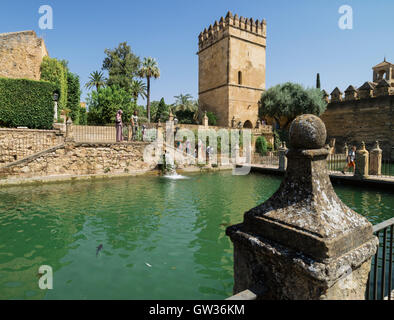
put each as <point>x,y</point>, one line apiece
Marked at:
<point>80,159</point>
<point>21,54</point>
<point>16,144</point>
<point>366,120</point>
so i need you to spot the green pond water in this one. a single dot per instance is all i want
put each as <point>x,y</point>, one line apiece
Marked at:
<point>162,239</point>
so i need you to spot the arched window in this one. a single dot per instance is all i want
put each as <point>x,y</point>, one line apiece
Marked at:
<point>248,124</point>
<point>381,74</point>
<point>239,77</point>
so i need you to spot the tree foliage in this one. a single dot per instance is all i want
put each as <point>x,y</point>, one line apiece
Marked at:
<point>212,120</point>
<point>104,104</point>
<point>138,89</point>
<point>96,80</point>
<point>122,66</point>
<point>149,69</point>
<point>261,145</point>
<point>290,100</point>
<point>162,112</point>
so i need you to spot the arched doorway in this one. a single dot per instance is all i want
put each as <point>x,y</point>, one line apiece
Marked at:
<point>248,125</point>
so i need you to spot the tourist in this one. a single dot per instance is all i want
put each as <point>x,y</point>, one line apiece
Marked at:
<point>134,124</point>
<point>119,126</point>
<point>188,145</point>
<point>351,160</point>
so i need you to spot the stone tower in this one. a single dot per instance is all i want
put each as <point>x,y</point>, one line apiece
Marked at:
<point>232,56</point>
<point>384,71</point>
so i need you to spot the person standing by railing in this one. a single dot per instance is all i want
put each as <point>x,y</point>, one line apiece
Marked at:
<point>119,126</point>
<point>134,124</point>
<point>351,160</point>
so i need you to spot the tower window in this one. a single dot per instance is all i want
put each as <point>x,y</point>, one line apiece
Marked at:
<point>239,77</point>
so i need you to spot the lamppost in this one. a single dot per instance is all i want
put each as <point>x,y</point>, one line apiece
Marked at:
<point>55,100</point>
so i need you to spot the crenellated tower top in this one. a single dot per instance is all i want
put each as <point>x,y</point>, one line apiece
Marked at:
<point>222,28</point>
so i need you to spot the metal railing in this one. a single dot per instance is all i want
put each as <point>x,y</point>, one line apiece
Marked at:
<point>336,162</point>
<point>381,276</point>
<point>387,168</point>
<point>270,159</point>
<point>96,134</point>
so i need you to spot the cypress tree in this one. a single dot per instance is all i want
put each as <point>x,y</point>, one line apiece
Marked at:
<point>318,81</point>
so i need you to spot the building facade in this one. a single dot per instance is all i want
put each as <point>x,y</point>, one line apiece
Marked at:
<point>232,60</point>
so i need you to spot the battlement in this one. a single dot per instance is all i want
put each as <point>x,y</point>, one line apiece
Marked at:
<point>222,28</point>
<point>366,91</point>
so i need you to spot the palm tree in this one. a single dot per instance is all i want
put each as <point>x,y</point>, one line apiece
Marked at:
<point>148,70</point>
<point>185,102</point>
<point>138,89</point>
<point>96,79</point>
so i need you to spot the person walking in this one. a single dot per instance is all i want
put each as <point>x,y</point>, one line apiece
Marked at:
<point>351,160</point>
<point>119,126</point>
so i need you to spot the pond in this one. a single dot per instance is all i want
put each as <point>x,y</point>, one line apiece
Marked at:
<point>162,239</point>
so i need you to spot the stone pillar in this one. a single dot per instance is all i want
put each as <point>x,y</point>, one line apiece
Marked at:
<point>55,115</point>
<point>69,130</point>
<point>376,161</point>
<point>159,131</point>
<point>304,242</point>
<point>282,157</point>
<point>362,162</point>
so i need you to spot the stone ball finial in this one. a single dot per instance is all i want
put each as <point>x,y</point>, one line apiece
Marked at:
<point>307,132</point>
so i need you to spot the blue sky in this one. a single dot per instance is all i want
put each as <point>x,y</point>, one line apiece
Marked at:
<point>303,36</point>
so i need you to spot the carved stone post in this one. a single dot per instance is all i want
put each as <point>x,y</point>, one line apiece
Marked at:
<point>304,242</point>
<point>282,157</point>
<point>376,161</point>
<point>69,131</point>
<point>362,162</point>
<point>205,120</point>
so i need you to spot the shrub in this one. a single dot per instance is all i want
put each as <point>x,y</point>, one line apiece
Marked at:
<point>185,116</point>
<point>212,120</point>
<point>26,103</point>
<point>289,100</point>
<point>261,146</point>
<point>55,71</point>
<point>83,116</point>
<point>104,103</point>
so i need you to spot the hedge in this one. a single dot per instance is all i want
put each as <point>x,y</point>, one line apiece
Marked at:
<point>55,71</point>
<point>73,97</point>
<point>26,103</point>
